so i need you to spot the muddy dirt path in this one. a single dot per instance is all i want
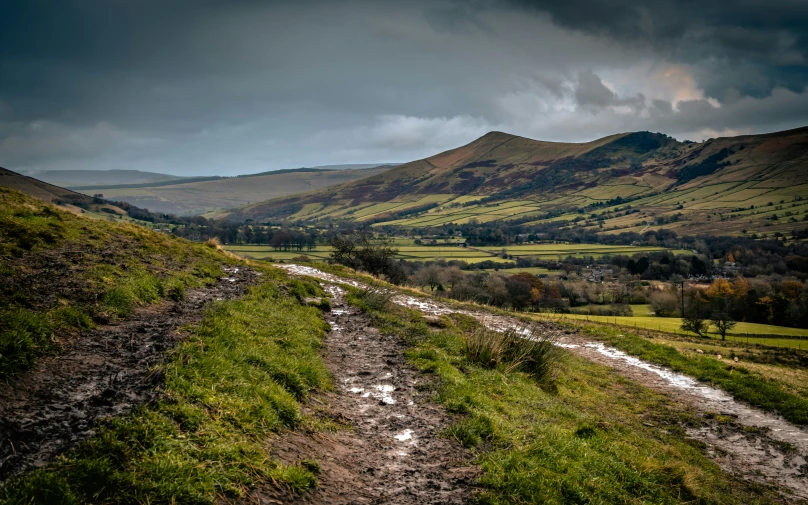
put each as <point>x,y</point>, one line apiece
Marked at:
<point>393,451</point>
<point>756,445</point>
<point>106,372</point>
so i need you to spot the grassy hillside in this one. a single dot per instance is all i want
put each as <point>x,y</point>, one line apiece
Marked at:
<point>237,378</point>
<point>63,273</point>
<point>212,193</point>
<point>69,178</point>
<point>627,182</point>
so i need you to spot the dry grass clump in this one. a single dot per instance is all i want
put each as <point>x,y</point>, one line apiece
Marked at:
<point>375,298</point>
<point>524,349</point>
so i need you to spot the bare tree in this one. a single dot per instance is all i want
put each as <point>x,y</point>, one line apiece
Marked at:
<point>722,322</point>
<point>431,276</point>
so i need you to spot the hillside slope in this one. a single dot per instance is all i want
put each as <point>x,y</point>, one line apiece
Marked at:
<point>70,178</point>
<point>505,177</point>
<point>211,193</point>
<point>39,189</point>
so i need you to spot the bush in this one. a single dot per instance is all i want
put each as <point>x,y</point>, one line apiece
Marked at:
<point>524,349</point>
<point>360,253</point>
<point>665,304</point>
<point>614,309</point>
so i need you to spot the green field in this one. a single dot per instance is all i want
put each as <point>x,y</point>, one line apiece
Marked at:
<point>554,251</point>
<point>752,332</point>
<point>408,251</point>
<point>702,208</point>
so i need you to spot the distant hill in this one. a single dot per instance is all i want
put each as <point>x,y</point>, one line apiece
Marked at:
<point>73,201</point>
<point>631,181</point>
<point>201,195</point>
<point>47,192</point>
<point>71,178</point>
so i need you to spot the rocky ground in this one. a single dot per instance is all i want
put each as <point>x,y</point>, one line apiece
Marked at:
<point>106,372</point>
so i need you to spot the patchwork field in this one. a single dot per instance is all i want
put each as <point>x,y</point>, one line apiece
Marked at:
<point>407,250</point>
<point>556,251</point>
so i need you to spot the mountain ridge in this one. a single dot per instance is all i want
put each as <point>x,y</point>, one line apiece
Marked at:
<point>557,176</point>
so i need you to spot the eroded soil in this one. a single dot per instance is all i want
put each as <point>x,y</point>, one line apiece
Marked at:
<point>106,372</point>
<point>754,445</point>
<point>392,449</point>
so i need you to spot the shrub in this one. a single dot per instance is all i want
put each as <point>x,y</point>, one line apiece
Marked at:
<point>665,304</point>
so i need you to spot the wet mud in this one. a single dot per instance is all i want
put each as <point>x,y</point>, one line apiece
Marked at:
<point>753,444</point>
<point>105,372</point>
<point>391,448</point>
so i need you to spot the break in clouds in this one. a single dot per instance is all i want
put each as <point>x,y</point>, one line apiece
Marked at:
<point>206,87</point>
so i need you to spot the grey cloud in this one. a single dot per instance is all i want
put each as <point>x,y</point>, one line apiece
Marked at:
<point>592,92</point>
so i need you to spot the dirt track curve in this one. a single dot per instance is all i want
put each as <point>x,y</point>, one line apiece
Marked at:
<point>393,452</point>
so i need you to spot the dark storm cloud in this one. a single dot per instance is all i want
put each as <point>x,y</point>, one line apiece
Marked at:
<point>767,39</point>
<point>214,86</point>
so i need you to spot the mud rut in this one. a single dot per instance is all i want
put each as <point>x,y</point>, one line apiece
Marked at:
<point>106,372</point>
<point>391,450</point>
<point>773,452</point>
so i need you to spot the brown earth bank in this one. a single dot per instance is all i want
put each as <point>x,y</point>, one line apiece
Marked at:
<point>390,448</point>
<point>104,372</point>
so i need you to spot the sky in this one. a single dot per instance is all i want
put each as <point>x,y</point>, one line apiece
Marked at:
<point>226,87</point>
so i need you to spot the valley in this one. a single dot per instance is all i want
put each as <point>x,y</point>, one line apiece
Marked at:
<point>284,339</point>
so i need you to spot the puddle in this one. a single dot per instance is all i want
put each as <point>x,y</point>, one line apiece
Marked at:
<point>673,379</point>
<point>382,393</point>
<point>403,436</point>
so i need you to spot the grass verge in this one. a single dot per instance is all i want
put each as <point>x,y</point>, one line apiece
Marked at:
<point>750,387</point>
<point>240,376</point>
<point>588,436</point>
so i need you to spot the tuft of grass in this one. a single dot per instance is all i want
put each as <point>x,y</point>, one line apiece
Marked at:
<point>24,334</point>
<point>374,298</point>
<point>525,349</point>
<point>236,380</point>
<point>174,289</point>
